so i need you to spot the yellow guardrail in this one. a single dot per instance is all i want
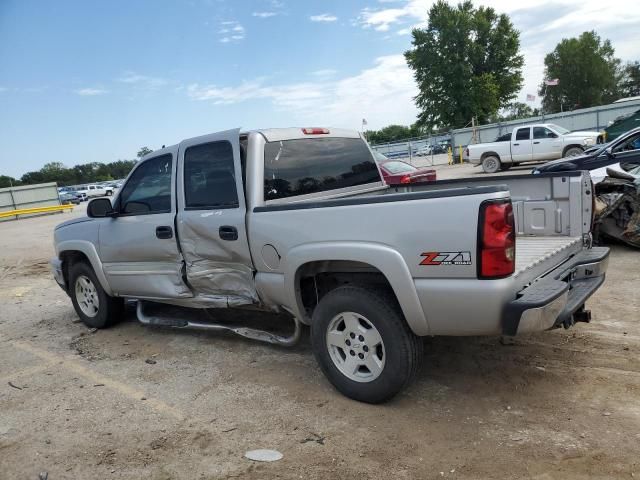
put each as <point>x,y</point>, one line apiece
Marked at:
<point>26,211</point>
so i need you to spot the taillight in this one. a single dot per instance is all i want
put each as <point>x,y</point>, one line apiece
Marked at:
<point>405,179</point>
<point>315,131</point>
<point>496,239</point>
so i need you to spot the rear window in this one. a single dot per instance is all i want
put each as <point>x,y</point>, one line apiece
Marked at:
<point>304,166</point>
<point>398,167</point>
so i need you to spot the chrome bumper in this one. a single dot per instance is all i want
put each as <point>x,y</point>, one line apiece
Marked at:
<point>554,299</point>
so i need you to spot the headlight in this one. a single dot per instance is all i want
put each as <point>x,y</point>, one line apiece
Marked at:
<point>589,141</point>
<point>536,172</point>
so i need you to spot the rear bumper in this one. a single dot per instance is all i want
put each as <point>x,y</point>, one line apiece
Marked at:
<point>554,299</point>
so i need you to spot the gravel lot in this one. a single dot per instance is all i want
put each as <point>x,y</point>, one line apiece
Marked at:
<point>137,402</point>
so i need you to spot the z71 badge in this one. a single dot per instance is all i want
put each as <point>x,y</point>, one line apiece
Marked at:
<point>446,258</point>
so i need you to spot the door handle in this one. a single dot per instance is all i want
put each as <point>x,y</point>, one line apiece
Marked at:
<point>516,144</point>
<point>164,232</point>
<point>227,232</point>
<point>536,143</point>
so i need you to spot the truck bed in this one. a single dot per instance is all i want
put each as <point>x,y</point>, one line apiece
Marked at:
<point>535,253</point>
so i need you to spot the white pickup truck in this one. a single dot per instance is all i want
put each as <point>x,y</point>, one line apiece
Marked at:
<point>299,221</point>
<point>94,190</point>
<point>540,142</point>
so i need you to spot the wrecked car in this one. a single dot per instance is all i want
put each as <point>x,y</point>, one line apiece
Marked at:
<point>300,221</point>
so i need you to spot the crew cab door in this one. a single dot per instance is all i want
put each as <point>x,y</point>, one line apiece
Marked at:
<point>211,220</point>
<point>546,144</point>
<point>521,150</point>
<point>138,246</point>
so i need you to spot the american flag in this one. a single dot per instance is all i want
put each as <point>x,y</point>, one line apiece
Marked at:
<point>552,82</point>
<point>531,98</point>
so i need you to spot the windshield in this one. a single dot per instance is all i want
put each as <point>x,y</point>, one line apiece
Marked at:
<point>559,129</point>
<point>398,167</point>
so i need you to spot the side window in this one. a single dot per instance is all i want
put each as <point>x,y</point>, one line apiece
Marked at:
<point>209,177</point>
<point>631,143</point>
<point>304,166</point>
<point>148,190</point>
<point>543,132</point>
<point>523,134</point>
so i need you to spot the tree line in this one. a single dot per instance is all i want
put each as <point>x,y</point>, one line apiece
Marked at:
<point>77,175</point>
<point>467,64</point>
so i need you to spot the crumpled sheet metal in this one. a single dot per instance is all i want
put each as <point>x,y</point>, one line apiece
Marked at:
<point>227,284</point>
<point>617,211</point>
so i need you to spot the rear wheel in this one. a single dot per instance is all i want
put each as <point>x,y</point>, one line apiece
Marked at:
<point>363,344</point>
<point>491,164</point>
<point>573,152</point>
<point>95,308</point>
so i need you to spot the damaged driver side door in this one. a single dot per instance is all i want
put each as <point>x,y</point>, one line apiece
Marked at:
<point>211,220</point>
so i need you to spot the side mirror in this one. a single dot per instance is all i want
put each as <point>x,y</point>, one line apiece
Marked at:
<point>100,208</point>
<point>609,151</point>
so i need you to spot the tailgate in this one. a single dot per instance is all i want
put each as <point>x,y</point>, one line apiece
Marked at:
<point>537,255</point>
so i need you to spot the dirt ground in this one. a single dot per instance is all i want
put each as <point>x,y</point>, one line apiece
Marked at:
<point>139,402</point>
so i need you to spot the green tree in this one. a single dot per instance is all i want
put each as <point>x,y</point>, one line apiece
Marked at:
<point>6,181</point>
<point>466,63</point>
<point>630,80</point>
<point>143,151</point>
<point>392,133</point>
<point>587,71</point>
<point>516,111</point>
<point>121,168</point>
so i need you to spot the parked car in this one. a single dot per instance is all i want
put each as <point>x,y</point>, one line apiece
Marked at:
<point>424,150</point>
<point>622,124</point>
<point>396,172</point>
<point>545,141</point>
<point>70,197</point>
<point>299,221</point>
<point>95,190</point>
<point>624,149</point>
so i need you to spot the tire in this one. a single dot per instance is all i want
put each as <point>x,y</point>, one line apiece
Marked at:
<point>573,152</point>
<point>342,342</point>
<point>491,164</point>
<point>95,308</point>
<point>505,166</point>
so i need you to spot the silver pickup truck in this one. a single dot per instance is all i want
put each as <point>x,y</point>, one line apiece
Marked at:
<point>299,221</point>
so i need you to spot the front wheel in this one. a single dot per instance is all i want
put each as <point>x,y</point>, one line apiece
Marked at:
<point>491,164</point>
<point>363,344</point>
<point>573,152</point>
<point>95,308</point>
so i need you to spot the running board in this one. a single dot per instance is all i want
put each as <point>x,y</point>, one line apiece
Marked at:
<point>253,334</point>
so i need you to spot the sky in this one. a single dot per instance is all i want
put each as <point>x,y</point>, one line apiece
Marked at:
<point>94,81</point>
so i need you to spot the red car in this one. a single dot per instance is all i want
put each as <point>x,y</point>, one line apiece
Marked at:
<point>396,172</point>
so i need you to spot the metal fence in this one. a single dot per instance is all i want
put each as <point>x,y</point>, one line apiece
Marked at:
<point>28,196</point>
<point>595,118</point>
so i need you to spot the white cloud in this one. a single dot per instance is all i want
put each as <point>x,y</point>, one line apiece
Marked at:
<point>231,31</point>
<point>91,92</point>
<point>542,24</point>
<point>323,17</point>
<point>264,14</point>
<point>142,81</point>
<point>325,72</point>
<point>382,94</point>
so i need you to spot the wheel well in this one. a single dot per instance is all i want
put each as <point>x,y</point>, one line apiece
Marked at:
<point>489,154</point>
<point>570,146</point>
<point>69,258</point>
<point>315,279</point>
